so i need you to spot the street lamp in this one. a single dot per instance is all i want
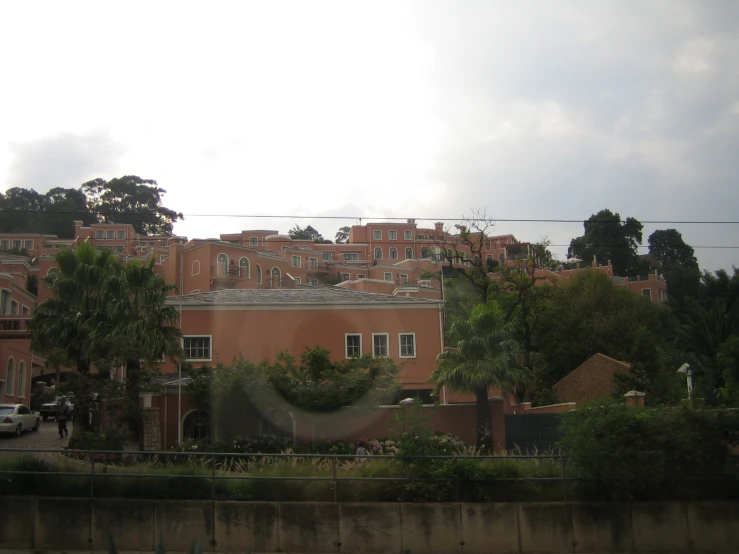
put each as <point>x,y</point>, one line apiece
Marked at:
<point>686,370</point>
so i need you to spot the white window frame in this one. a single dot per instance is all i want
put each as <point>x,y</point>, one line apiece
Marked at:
<point>404,278</point>
<point>247,266</point>
<point>377,251</point>
<point>377,234</point>
<point>346,345</point>
<point>210,348</point>
<point>387,345</point>
<point>15,307</point>
<point>408,235</point>
<point>26,243</point>
<point>110,234</point>
<point>400,345</point>
<point>327,256</point>
<point>313,282</point>
<point>648,295</point>
<point>259,274</point>
<point>406,253</point>
<point>295,261</point>
<point>253,241</point>
<point>99,234</point>
<point>17,244</point>
<point>21,379</point>
<point>120,234</point>
<point>5,244</point>
<point>25,310</point>
<point>313,263</point>
<point>195,291</point>
<point>351,257</point>
<point>192,271</point>
<point>361,276</point>
<point>393,253</point>
<point>392,235</point>
<point>345,276</point>
<point>388,274</point>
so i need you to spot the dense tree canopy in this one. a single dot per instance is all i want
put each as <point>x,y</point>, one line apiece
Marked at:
<point>308,233</point>
<point>128,199</point>
<point>606,237</point>
<point>669,248</point>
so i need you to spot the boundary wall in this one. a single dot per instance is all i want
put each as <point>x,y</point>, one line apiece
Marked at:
<point>72,524</point>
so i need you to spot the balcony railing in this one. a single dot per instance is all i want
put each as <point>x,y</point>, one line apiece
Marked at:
<point>227,272</point>
<point>14,325</point>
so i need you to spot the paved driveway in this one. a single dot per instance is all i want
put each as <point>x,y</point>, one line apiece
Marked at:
<point>47,437</point>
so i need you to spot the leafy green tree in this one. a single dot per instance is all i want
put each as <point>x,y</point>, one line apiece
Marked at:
<point>61,207</point>
<point>668,246</point>
<point>484,358</point>
<point>727,358</point>
<point>719,286</point>
<point>590,314</point>
<point>62,325</point>
<point>131,200</point>
<point>309,233</point>
<point>342,235</point>
<point>606,237</point>
<point>318,384</point>
<point>21,211</point>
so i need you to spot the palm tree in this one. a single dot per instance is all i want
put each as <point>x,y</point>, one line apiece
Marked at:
<point>61,325</point>
<point>484,358</point>
<point>137,328</point>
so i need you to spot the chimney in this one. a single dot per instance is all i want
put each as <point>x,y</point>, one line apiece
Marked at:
<point>411,222</point>
<point>439,226</point>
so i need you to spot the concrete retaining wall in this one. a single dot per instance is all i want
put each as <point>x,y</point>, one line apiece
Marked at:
<point>55,524</point>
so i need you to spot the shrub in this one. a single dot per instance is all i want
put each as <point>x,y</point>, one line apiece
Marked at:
<point>644,454</point>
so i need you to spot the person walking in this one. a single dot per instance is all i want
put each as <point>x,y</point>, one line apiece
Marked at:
<point>61,418</point>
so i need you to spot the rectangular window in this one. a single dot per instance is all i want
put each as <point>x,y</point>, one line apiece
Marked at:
<point>392,235</point>
<point>163,258</point>
<point>99,234</point>
<point>421,237</point>
<point>110,234</point>
<point>360,276</point>
<point>379,344</point>
<point>121,234</point>
<point>119,249</point>
<point>407,343</point>
<point>14,308</point>
<point>253,241</point>
<point>351,257</point>
<point>16,245</point>
<point>408,235</point>
<point>313,282</point>
<point>26,310</point>
<point>388,276</point>
<point>297,280</point>
<point>353,345</point>
<point>646,293</point>
<point>197,348</point>
<point>313,263</point>
<point>377,235</point>
<point>404,278</point>
<point>327,256</point>
<point>4,302</point>
<point>5,244</point>
<point>296,261</point>
<point>345,276</point>
<point>28,245</point>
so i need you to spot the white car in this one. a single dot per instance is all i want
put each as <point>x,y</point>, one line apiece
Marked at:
<point>16,418</point>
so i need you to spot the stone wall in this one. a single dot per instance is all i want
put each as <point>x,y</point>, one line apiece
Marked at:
<point>56,524</point>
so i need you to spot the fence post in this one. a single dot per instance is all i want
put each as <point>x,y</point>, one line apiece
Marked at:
<point>92,476</point>
<point>213,477</point>
<point>336,482</point>
<point>564,474</point>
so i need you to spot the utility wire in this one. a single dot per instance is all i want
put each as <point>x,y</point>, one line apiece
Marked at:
<point>362,218</point>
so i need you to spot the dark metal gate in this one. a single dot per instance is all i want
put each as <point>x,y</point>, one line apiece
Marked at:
<point>532,432</point>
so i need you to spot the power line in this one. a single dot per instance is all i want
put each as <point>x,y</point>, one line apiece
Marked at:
<point>361,218</point>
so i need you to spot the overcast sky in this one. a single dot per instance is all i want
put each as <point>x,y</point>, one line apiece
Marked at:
<point>530,110</point>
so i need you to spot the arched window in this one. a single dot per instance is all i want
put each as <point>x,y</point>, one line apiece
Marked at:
<point>277,423</point>
<point>276,277</point>
<point>245,269</point>
<point>378,253</point>
<point>22,379</point>
<point>393,253</point>
<point>54,271</point>
<point>409,253</point>
<point>425,252</point>
<point>196,425</point>
<point>196,267</point>
<point>501,259</point>
<point>259,274</point>
<point>222,264</point>
<point>10,377</point>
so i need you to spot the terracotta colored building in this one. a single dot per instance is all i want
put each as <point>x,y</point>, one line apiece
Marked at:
<point>592,379</point>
